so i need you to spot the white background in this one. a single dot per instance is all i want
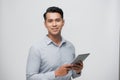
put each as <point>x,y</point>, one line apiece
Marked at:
<point>91,25</point>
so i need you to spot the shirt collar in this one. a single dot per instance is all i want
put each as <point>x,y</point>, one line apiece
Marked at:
<point>49,41</point>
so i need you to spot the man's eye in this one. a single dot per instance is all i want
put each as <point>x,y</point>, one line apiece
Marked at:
<point>49,20</point>
<point>58,20</point>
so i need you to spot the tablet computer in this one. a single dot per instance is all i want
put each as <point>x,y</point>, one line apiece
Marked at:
<point>80,57</point>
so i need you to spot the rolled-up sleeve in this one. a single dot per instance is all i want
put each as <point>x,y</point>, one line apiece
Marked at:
<point>33,67</point>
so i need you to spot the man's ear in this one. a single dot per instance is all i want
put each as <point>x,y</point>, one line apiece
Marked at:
<point>63,22</point>
<point>45,23</point>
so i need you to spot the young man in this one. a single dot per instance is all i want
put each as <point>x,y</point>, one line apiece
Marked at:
<point>50,59</point>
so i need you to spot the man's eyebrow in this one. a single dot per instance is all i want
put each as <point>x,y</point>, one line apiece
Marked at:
<point>53,19</point>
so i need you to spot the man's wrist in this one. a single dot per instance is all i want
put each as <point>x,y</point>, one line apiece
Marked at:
<point>56,74</point>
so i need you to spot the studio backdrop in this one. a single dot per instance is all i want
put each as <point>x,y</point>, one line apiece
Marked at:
<point>91,25</point>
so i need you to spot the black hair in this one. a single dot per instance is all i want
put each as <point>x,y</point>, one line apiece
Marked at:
<point>53,9</point>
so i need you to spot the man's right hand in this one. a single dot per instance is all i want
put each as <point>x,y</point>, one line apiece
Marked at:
<point>63,70</point>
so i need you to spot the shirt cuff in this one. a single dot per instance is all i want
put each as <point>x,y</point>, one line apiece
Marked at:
<point>76,74</point>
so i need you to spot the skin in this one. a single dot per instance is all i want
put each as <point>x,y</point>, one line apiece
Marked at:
<point>54,24</point>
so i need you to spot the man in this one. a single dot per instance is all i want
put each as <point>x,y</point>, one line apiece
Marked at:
<point>50,59</point>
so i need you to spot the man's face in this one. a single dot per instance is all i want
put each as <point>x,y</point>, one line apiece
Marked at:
<point>54,23</point>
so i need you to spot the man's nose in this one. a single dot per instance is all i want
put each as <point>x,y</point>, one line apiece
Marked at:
<point>54,23</point>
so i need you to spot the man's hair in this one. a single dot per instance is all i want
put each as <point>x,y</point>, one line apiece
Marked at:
<point>53,9</point>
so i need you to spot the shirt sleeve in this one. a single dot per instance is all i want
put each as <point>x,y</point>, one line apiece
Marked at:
<point>33,66</point>
<point>74,74</point>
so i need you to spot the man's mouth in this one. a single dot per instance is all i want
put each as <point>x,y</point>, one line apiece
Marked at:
<point>55,29</point>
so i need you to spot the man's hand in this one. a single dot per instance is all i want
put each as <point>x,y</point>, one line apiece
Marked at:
<point>63,70</point>
<point>78,67</point>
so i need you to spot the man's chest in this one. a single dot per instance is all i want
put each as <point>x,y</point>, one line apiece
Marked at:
<point>55,57</point>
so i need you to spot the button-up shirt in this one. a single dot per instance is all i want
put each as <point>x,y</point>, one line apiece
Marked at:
<point>45,57</point>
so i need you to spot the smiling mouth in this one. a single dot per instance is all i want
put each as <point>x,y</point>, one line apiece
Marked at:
<point>55,29</point>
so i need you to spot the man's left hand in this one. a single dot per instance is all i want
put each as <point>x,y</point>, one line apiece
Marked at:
<point>78,67</point>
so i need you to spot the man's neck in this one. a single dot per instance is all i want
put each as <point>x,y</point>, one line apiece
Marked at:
<point>55,38</point>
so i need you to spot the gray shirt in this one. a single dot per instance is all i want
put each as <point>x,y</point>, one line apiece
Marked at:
<point>45,57</point>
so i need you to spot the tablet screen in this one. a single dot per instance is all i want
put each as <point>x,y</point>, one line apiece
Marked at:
<point>80,57</point>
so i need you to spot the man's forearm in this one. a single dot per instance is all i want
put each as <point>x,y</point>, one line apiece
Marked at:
<point>41,76</point>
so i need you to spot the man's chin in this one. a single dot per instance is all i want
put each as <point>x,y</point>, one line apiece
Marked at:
<point>55,34</point>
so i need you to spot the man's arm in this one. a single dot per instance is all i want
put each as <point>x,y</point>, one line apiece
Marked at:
<point>33,66</point>
<point>63,70</point>
<point>77,69</point>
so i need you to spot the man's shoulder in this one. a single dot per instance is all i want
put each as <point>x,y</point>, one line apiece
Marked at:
<point>69,43</point>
